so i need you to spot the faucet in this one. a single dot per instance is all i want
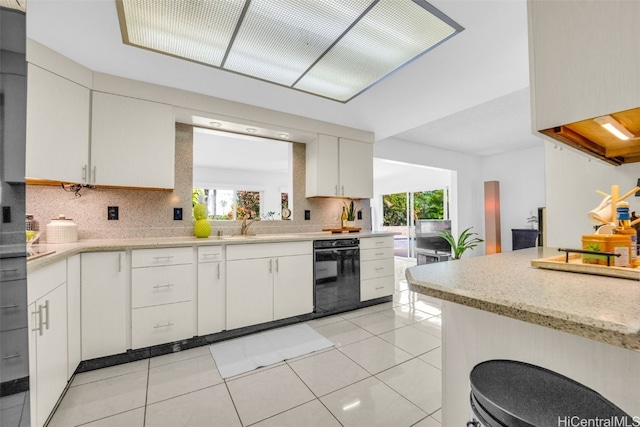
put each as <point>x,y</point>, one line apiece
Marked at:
<point>246,225</point>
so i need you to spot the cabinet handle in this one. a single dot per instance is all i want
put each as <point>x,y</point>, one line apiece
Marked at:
<point>343,190</point>
<point>46,307</point>
<point>9,270</point>
<point>381,253</point>
<point>168,285</point>
<point>336,189</point>
<point>379,268</point>
<point>277,266</point>
<point>94,174</point>
<point>119,263</point>
<point>379,288</point>
<point>218,270</point>
<point>211,255</point>
<point>38,315</point>
<point>270,266</point>
<point>167,257</point>
<point>11,356</point>
<point>166,325</point>
<point>379,242</point>
<point>84,173</point>
<point>4,307</point>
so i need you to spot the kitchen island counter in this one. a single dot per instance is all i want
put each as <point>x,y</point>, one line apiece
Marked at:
<point>582,326</point>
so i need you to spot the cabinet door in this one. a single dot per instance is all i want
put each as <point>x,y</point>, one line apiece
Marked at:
<point>132,142</point>
<point>49,319</point>
<point>356,169</point>
<point>57,127</point>
<point>14,89</point>
<point>211,298</point>
<point>249,292</point>
<point>73,314</point>
<point>292,286</point>
<point>103,304</point>
<point>322,167</point>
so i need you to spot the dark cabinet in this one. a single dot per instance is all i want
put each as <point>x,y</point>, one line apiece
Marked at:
<point>524,238</point>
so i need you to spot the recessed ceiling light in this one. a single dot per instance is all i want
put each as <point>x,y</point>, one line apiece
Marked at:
<point>284,135</point>
<point>252,130</point>
<point>215,124</point>
<point>334,49</point>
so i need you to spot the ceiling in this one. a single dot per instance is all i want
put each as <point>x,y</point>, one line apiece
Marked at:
<point>469,94</point>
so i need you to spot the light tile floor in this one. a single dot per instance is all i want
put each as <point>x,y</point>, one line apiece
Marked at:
<point>384,370</point>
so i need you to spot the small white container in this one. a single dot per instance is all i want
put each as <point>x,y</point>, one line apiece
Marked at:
<point>62,230</point>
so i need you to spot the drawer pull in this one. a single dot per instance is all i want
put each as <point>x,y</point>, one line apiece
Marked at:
<point>166,325</point>
<point>380,242</point>
<point>10,270</point>
<point>381,253</point>
<point>4,307</point>
<point>379,288</point>
<point>168,285</point>
<point>379,268</point>
<point>11,356</point>
<point>166,257</point>
<point>206,255</point>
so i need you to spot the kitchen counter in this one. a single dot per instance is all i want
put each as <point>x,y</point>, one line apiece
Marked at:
<point>63,251</point>
<point>595,307</point>
<point>582,326</point>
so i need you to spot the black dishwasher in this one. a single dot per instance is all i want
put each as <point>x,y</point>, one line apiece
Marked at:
<point>336,274</point>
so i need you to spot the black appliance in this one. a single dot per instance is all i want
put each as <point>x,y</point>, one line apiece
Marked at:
<point>336,274</point>
<point>430,246</point>
<point>14,332</point>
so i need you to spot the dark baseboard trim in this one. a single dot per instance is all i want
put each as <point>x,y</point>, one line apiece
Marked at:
<point>19,385</point>
<point>173,347</point>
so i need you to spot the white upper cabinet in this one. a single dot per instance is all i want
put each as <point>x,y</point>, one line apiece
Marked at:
<point>57,127</point>
<point>339,167</point>
<point>132,142</point>
<point>584,59</point>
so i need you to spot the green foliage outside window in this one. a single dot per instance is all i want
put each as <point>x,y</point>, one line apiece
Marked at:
<point>426,205</point>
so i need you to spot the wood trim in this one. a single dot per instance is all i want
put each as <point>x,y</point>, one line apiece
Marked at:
<point>579,142</point>
<point>33,181</point>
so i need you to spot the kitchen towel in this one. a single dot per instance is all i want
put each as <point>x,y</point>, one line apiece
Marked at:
<point>247,353</point>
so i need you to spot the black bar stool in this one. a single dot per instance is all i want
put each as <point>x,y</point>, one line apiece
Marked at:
<point>506,393</point>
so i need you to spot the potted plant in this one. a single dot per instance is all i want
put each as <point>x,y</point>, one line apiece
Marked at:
<point>465,241</point>
<point>351,211</point>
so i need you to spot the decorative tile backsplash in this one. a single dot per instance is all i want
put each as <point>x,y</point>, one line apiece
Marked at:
<point>149,213</point>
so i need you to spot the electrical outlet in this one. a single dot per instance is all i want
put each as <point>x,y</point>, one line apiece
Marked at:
<point>307,215</point>
<point>6,214</point>
<point>177,214</point>
<point>359,215</point>
<point>112,213</point>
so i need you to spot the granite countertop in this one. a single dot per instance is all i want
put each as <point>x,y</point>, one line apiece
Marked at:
<point>599,308</point>
<point>63,251</point>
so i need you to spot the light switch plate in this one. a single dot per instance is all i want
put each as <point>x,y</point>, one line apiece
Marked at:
<point>307,215</point>
<point>177,214</point>
<point>112,213</point>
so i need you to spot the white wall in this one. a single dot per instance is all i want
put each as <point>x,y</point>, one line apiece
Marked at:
<point>466,186</point>
<point>572,181</point>
<point>521,175</point>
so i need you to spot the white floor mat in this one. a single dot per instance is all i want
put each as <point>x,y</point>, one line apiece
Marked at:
<point>245,354</point>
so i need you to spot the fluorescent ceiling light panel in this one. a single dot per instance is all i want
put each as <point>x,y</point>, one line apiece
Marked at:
<point>614,127</point>
<point>331,48</point>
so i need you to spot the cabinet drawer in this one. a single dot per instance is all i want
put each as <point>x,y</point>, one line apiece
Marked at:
<point>268,250</point>
<point>162,324</point>
<point>45,279</point>
<point>374,269</point>
<point>161,256</point>
<point>14,355</point>
<point>13,269</point>
<point>162,285</point>
<point>376,288</point>
<point>209,253</point>
<point>376,254</point>
<point>13,305</point>
<point>376,242</point>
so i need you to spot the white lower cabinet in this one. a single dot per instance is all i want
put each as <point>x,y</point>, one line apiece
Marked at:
<point>267,282</point>
<point>211,290</point>
<point>163,292</point>
<point>74,338</point>
<point>104,304</point>
<point>377,269</point>
<point>48,362</point>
